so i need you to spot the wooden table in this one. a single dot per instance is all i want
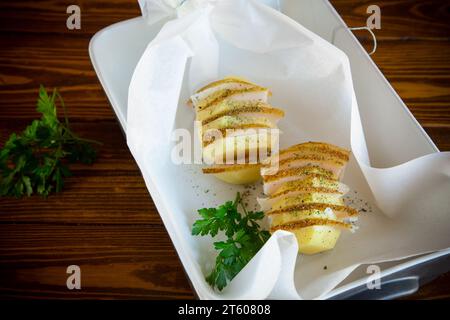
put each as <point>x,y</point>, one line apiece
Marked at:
<point>105,220</point>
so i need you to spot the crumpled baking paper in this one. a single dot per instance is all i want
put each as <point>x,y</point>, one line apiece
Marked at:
<point>311,80</point>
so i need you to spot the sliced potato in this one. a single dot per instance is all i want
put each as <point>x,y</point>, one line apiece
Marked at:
<point>315,181</point>
<point>290,216</point>
<point>314,235</point>
<point>269,202</point>
<point>334,165</point>
<point>294,174</point>
<point>311,239</point>
<point>235,174</point>
<point>235,123</point>
<point>229,107</point>
<point>305,195</point>
<point>305,184</point>
<point>252,147</point>
<point>342,212</point>
<point>315,239</point>
<point>242,94</point>
<point>229,83</point>
<point>326,156</point>
<point>226,80</point>
<point>332,198</point>
<point>317,148</point>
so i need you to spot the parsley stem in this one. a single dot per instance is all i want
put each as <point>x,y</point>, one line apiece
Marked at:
<point>66,119</point>
<point>74,137</point>
<point>88,140</point>
<point>239,201</point>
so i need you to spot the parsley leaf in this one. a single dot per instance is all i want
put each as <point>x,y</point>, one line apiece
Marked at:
<point>36,161</point>
<point>244,238</point>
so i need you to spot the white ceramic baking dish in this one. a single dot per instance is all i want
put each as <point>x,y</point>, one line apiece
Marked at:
<point>116,50</point>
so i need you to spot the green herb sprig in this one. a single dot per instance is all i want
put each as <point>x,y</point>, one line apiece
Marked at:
<point>244,238</point>
<point>36,161</point>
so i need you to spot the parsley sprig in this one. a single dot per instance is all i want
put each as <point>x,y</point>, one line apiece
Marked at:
<point>36,161</point>
<point>244,238</point>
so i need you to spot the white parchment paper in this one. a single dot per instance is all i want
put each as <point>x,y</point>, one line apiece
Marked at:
<point>311,80</point>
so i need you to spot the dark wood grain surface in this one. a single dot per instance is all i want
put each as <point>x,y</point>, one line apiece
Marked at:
<point>105,220</point>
